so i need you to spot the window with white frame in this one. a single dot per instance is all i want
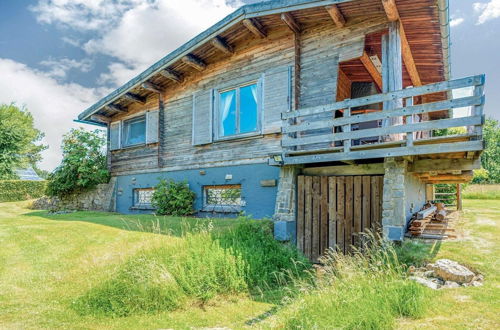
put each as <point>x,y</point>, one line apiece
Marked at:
<point>222,198</point>
<point>238,110</point>
<point>134,131</point>
<point>143,197</point>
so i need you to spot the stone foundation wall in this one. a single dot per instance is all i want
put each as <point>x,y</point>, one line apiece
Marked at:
<point>284,215</point>
<point>393,201</point>
<point>99,199</point>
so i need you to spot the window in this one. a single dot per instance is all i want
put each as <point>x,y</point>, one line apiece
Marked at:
<point>143,197</point>
<point>134,131</point>
<point>238,111</point>
<point>225,198</point>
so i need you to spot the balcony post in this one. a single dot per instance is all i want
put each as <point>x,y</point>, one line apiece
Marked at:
<point>392,74</point>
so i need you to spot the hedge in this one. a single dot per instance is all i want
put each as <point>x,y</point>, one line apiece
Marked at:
<point>19,190</point>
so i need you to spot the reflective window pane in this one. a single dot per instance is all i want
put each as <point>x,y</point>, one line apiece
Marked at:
<point>248,108</point>
<point>227,113</point>
<point>134,131</point>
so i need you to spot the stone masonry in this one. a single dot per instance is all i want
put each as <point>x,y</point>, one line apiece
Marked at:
<point>284,215</point>
<point>393,206</point>
<point>98,199</point>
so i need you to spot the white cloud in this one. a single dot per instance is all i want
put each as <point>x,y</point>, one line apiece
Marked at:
<point>487,11</point>
<point>59,68</point>
<point>456,21</point>
<point>135,32</point>
<point>53,105</point>
<point>87,15</point>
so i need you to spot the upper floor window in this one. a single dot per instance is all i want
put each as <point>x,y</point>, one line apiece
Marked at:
<point>134,131</point>
<point>238,110</point>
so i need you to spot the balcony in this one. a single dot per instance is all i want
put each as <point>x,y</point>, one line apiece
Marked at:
<point>402,128</point>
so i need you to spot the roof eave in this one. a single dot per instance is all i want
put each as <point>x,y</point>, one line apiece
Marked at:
<point>247,11</point>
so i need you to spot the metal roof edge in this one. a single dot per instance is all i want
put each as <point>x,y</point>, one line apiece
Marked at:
<point>247,11</point>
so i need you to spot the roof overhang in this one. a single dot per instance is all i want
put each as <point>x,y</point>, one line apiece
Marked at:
<point>245,12</point>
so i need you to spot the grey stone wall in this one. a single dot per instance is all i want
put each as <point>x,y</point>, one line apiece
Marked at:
<point>285,199</point>
<point>99,199</point>
<point>393,200</point>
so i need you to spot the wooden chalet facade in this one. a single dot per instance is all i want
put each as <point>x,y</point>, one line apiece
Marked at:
<point>318,113</point>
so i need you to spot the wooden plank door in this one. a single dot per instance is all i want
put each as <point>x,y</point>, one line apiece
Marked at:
<point>332,211</point>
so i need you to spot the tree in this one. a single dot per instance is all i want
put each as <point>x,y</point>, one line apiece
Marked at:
<point>83,165</point>
<point>19,140</point>
<point>490,158</point>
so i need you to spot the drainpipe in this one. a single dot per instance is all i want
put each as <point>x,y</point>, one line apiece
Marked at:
<point>444,23</point>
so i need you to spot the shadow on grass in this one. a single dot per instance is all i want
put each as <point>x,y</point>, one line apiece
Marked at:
<point>417,252</point>
<point>168,225</point>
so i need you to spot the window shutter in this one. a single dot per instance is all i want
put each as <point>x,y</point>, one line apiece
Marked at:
<point>114,135</point>
<point>277,97</point>
<point>152,126</point>
<point>202,117</point>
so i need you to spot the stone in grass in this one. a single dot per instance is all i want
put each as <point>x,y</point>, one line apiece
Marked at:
<point>450,270</point>
<point>450,285</point>
<point>426,282</point>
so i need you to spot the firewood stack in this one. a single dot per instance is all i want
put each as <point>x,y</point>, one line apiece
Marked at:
<point>431,222</point>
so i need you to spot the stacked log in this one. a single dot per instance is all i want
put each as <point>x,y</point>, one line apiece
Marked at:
<point>431,222</point>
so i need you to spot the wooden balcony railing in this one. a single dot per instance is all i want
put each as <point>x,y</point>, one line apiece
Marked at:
<point>312,135</point>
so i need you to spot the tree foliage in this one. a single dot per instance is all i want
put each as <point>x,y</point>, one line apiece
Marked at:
<point>490,158</point>
<point>173,198</point>
<point>19,140</point>
<point>83,165</point>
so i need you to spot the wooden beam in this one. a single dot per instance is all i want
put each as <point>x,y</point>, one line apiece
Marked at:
<point>116,108</point>
<point>100,118</point>
<point>194,62</point>
<point>426,165</point>
<point>336,15</point>
<point>410,65</point>
<point>391,10</point>
<point>135,98</point>
<point>172,75</point>
<point>222,45</point>
<point>372,69</point>
<point>152,87</point>
<point>291,22</point>
<point>255,27</point>
<point>392,13</point>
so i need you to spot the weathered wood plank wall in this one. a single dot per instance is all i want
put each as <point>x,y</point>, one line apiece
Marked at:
<point>322,47</point>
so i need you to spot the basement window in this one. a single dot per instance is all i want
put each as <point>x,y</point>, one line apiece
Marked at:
<point>222,198</point>
<point>143,198</point>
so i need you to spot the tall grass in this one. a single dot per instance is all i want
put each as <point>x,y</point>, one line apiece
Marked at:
<point>200,266</point>
<point>482,191</point>
<point>366,290</point>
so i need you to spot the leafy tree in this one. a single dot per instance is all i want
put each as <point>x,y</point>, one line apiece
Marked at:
<point>490,158</point>
<point>19,140</point>
<point>83,165</point>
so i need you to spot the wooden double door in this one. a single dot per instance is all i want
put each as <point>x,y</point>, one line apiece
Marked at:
<point>332,210</point>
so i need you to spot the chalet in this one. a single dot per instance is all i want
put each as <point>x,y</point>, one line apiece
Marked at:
<point>321,114</point>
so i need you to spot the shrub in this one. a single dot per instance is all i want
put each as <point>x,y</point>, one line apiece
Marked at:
<point>173,198</point>
<point>359,291</point>
<point>269,263</point>
<point>18,190</point>
<point>83,165</point>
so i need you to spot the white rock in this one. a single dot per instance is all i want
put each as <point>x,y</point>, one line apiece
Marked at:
<point>425,282</point>
<point>450,270</point>
<point>451,284</point>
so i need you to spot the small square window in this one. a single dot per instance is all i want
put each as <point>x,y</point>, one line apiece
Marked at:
<point>143,197</point>
<point>134,131</point>
<point>222,198</point>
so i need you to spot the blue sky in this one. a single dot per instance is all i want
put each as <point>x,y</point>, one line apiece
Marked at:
<point>57,57</point>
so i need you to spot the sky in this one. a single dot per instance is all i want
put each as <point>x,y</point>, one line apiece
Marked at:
<point>58,57</point>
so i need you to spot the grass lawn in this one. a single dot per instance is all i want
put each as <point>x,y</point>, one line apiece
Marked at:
<point>46,261</point>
